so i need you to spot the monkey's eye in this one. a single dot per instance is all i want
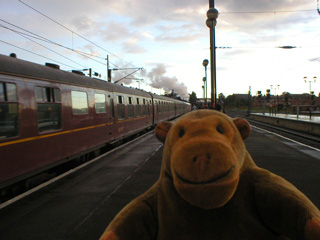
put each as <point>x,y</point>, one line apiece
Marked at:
<point>181,132</point>
<point>220,129</point>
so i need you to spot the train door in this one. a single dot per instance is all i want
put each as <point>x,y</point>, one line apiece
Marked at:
<point>120,107</point>
<point>9,117</point>
<point>152,110</point>
<point>111,105</point>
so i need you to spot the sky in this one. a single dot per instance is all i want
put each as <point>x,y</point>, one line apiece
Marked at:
<point>165,42</point>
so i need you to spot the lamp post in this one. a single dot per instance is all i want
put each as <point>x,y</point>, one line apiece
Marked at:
<point>275,97</point>
<point>310,92</point>
<point>212,15</point>
<point>310,81</point>
<point>205,64</point>
<point>203,88</point>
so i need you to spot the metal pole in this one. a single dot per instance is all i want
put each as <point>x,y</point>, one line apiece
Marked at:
<point>204,93</point>
<point>214,70</point>
<point>213,61</point>
<point>108,69</point>
<point>213,66</point>
<point>309,86</point>
<point>211,3</point>
<point>206,86</point>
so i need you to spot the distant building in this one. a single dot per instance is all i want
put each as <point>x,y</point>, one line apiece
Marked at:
<point>287,101</point>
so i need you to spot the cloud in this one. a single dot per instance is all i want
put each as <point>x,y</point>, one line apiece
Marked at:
<point>148,12</point>
<point>259,15</point>
<point>91,50</point>
<point>179,33</point>
<point>175,21</point>
<point>82,23</point>
<point>119,74</point>
<point>132,46</point>
<point>315,59</point>
<point>114,31</point>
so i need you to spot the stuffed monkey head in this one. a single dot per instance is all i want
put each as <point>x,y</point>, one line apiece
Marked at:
<point>203,155</point>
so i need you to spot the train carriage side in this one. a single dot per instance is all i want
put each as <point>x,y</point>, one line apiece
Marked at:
<point>49,116</point>
<point>182,107</point>
<point>133,111</point>
<point>166,108</point>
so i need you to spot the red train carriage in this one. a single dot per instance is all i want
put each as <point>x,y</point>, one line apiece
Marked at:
<point>49,116</point>
<point>167,108</point>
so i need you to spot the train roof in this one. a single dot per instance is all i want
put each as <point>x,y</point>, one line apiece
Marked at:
<point>159,97</point>
<point>16,67</point>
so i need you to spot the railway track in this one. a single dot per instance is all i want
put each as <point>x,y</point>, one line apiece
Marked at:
<point>304,138</point>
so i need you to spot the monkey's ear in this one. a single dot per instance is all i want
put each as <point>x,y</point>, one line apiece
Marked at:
<point>162,130</point>
<point>243,127</point>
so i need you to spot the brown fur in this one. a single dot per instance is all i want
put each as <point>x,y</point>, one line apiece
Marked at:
<point>210,188</point>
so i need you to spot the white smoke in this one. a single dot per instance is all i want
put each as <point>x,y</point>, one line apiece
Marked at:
<point>156,76</point>
<point>169,84</point>
<point>123,73</point>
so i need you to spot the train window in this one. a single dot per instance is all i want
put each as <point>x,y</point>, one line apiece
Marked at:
<point>100,103</point>
<point>49,116</point>
<point>48,108</point>
<point>79,102</point>
<point>121,108</point>
<point>9,118</point>
<point>155,107</point>
<point>145,108</point>
<point>8,92</point>
<point>111,107</point>
<point>11,92</point>
<point>138,108</point>
<point>130,108</point>
<point>47,94</point>
<point>2,93</point>
<point>39,94</point>
<point>120,100</point>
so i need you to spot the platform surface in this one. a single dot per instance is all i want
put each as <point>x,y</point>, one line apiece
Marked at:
<point>82,204</point>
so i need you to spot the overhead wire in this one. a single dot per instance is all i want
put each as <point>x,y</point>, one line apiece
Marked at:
<point>51,19</point>
<point>38,37</point>
<point>36,54</point>
<point>273,12</point>
<point>268,12</point>
<point>21,34</point>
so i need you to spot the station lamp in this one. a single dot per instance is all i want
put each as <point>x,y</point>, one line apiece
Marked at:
<point>211,22</point>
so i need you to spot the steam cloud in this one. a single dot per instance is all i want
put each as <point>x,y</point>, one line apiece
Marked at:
<point>116,75</point>
<point>159,80</point>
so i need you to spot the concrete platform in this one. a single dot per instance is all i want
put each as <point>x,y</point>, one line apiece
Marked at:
<point>303,125</point>
<point>82,204</point>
